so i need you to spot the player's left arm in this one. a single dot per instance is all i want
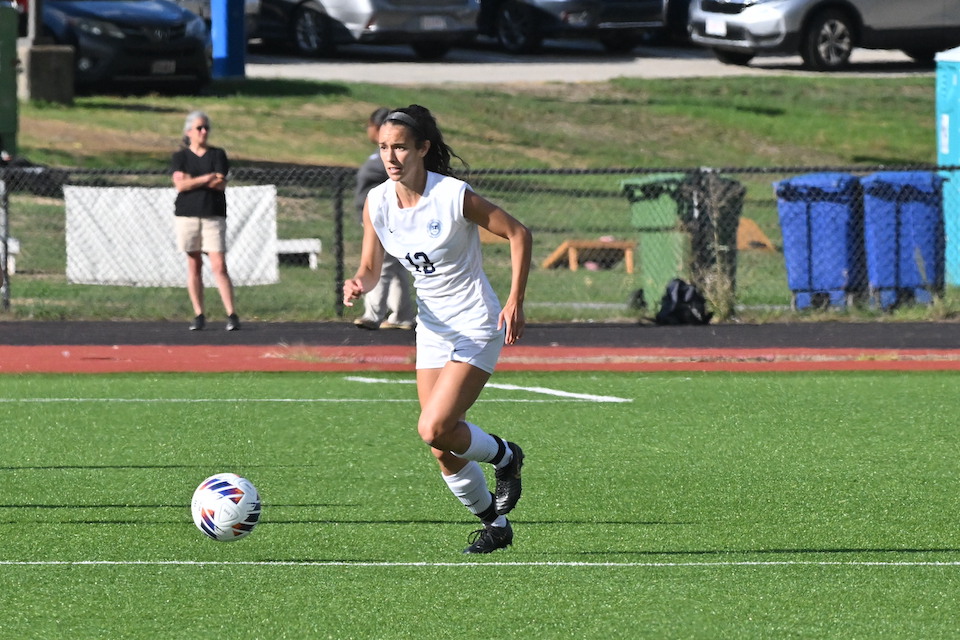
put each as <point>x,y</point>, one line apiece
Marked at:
<point>498,222</point>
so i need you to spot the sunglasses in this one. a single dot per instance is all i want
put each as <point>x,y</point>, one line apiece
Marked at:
<point>203,127</point>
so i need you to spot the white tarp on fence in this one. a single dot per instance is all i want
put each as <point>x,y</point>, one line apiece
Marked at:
<point>125,236</point>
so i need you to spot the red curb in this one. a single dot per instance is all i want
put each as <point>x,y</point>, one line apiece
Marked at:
<point>165,358</point>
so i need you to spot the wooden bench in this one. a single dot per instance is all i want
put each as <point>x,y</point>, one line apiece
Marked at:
<point>573,253</point>
<point>309,247</point>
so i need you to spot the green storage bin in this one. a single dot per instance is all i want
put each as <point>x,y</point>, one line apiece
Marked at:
<point>663,256</point>
<point>655,200</point>
<point>657,208</point>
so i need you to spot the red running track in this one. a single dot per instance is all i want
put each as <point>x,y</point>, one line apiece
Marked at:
<point>216,358</point>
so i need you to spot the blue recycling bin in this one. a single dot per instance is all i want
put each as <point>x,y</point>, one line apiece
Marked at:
<point>821,219</point>
<point>903,232</point>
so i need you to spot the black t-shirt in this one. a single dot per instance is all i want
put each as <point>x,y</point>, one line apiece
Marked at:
<point>202,202</point>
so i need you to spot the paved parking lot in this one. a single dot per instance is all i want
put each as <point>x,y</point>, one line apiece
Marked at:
<point>570,61</point>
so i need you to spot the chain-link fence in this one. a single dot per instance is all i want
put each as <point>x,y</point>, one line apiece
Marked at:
<point>99,243</point>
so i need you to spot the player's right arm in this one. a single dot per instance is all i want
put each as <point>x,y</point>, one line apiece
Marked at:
<point>371,260</point>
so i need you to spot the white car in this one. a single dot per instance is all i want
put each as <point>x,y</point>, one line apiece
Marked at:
<point>823,32</point>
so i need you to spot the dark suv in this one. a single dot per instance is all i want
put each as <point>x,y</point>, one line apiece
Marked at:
<point>521,25</point>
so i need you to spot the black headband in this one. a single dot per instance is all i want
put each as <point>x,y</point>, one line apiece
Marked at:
<point>403,118</point>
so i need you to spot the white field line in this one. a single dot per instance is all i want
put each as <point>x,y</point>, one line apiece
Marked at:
<point>556,394</point>
<point>334,563</point>
<point>510,387</point>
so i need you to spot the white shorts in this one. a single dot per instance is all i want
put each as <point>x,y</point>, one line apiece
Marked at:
<point>434,350</point>
<point>208,235</point>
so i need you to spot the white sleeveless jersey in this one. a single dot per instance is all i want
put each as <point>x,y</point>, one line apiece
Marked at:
<point>441,248</point>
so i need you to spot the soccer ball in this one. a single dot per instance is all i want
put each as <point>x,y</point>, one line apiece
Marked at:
<point>226,507</point>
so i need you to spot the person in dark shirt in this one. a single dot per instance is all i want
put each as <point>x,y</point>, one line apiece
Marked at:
<point>200,178</point>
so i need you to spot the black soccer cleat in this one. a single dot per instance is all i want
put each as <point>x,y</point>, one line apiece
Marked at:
<point>508,481</point>
<point>198,323</point>
<point>233,322</point>
<point>489,539</point>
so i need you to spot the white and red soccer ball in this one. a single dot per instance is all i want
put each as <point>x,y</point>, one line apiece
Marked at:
<point>226,507</point>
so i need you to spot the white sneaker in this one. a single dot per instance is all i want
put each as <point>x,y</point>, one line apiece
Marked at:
<point>406,326</point>
<point>364,323</point>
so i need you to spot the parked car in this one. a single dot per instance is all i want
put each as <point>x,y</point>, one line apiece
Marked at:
<point>823,32</point>
<point>522,25</point>
<point>317,27</point>
<point>251,12</point>
<point>131,41</point>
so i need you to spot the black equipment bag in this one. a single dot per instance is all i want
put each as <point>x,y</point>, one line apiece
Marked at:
<point>682,303</point>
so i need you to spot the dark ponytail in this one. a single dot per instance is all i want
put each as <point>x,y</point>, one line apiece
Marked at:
<point>424,128</point>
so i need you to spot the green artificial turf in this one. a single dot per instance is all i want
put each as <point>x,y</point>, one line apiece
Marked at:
<point>702,505</point>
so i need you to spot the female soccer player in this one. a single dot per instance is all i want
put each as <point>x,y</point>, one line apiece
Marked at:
<point>430,220</point>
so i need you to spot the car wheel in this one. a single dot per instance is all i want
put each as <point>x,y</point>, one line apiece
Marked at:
<point>517,28</point>
<point>738,58</point>
<point>431,50</point>
<point>828,41</point>
<point>311,33</point>
<point>923,56</point>
<point>678,16</point>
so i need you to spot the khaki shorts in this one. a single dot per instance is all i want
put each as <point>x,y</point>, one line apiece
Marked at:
<point>208,235</point>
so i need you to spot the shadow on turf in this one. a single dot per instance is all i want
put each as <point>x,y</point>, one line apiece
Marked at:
<point>614,552</point>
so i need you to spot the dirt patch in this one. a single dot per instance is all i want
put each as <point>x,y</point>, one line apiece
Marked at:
<point>91,140</point>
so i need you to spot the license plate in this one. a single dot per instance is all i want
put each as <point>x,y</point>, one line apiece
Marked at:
<point>716,27</point>
<point>163,67</point>
<point>433,23</point>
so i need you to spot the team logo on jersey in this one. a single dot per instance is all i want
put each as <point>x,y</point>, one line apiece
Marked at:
<point>433,228</point>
